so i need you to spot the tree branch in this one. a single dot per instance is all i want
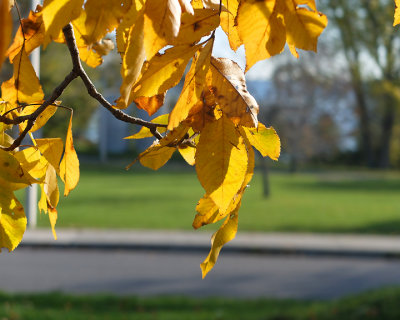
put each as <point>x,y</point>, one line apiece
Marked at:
<point>91,89</point>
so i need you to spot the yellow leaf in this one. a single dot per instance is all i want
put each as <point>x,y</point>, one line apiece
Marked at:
<point>164,71</point>
<point>228,23</point>
<point>57,14</point>
<point>221,161</point>
<point>256,30</point>
<point>69,166</point>
<point>397,13</point>
<point>24,86</point>
<point>208,211</point>
<point>12,220</point>
<point>145,132</point>
<point>32,162</point>
<point>133,58</point>
<point>53,219</point>
<point>162,21</point>
<point>193,86</point>
<point>42,204</point>
<point>228,85</point>
<point>152,104</point>
<point>51,149</point>
<point>188,153</point>
<point>264,140</point>
<point>12,175</point>
<point>50,187</point>
<point>129,20</point>
<point>226,233</point>
<point>103,16</point>
<point>41,120</point>
<point>265,26</point>
<point>197,25</point>
<point>34,35</point>
<point>5,29</point>
<point>90,53</point>
<point>156,156</point>
<point>303,26</point>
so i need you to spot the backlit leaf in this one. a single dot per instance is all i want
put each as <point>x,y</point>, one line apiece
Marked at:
<point>32,162</point>
<point>193,86</point>
<point>152,104</point>
<point>69,167</point>
<point>227,83</point>
<point>265,26</point>
<point>51,149</point>
<point>103,16</point>
<point>156,156</point>
<point>12,220</point>
<point>228,23</point>
<point>133,58</point>
<point>57,14</point>
<point>264,140</point>
<point>194,27</point>
<point>146,133</point>
<point>33,32</point>
<point>221,161</point>
<point>188,153</point>
<point>164,71</point>
<point>51,187</point>
<point>24,86</point>
<point>12,175</point>
<point>162,20</point>
<point>5,29</point>
<point>41,120</point>
<point>397,13</point>
<point>226,233</point>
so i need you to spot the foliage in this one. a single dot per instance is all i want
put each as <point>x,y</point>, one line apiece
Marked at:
<point>213,125</point>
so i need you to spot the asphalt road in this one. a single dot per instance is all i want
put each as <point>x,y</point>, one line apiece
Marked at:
<point>178,273</point>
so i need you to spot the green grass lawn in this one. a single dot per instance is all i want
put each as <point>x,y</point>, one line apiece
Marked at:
<point>381,304</point>
<point>343,202</point>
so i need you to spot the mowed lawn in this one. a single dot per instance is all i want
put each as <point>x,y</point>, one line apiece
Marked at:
<point>343,201</point>
<point>380,304</point>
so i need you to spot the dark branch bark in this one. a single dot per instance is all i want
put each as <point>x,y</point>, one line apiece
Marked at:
<point>77,71</point>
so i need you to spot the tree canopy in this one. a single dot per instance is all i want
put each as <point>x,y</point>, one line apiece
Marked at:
<point>213,125</point>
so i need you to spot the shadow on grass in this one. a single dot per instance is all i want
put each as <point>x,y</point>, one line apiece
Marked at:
<point>365,185</point>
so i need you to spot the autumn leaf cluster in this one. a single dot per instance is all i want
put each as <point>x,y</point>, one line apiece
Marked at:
<point>213,125</point>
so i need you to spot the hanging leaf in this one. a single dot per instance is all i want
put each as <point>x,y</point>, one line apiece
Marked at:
<point>228,23</point>
<point>103,16</point>
<point>34,35</point>
<point>227,83</point>
<point>226,233</point>
<point>41,120</point>
<point>195,26</point>
<point>152,104</point>
<point>57,14</point>
<point>5,29</point>
<point>221,161</point>
<point>162,21</point>
<point>264,140</point>
<point>24,86</point>
<point>69,167</point>
<point>132,62</point>
<point>164,71</point>
<point>188,153</point>
<point>193,86</point>
<point>51,149</point>
<point>146,133</point>
<point>12,220</point>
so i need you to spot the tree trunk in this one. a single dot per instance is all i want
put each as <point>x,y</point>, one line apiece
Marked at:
<point>265,177</point>
<point>386,133</point>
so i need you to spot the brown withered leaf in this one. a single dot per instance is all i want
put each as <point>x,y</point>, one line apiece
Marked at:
<point>227,82</point>
<point>150,104</point>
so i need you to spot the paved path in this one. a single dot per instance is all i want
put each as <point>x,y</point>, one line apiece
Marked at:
<point>166,272</point>
<point>322,244</point>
